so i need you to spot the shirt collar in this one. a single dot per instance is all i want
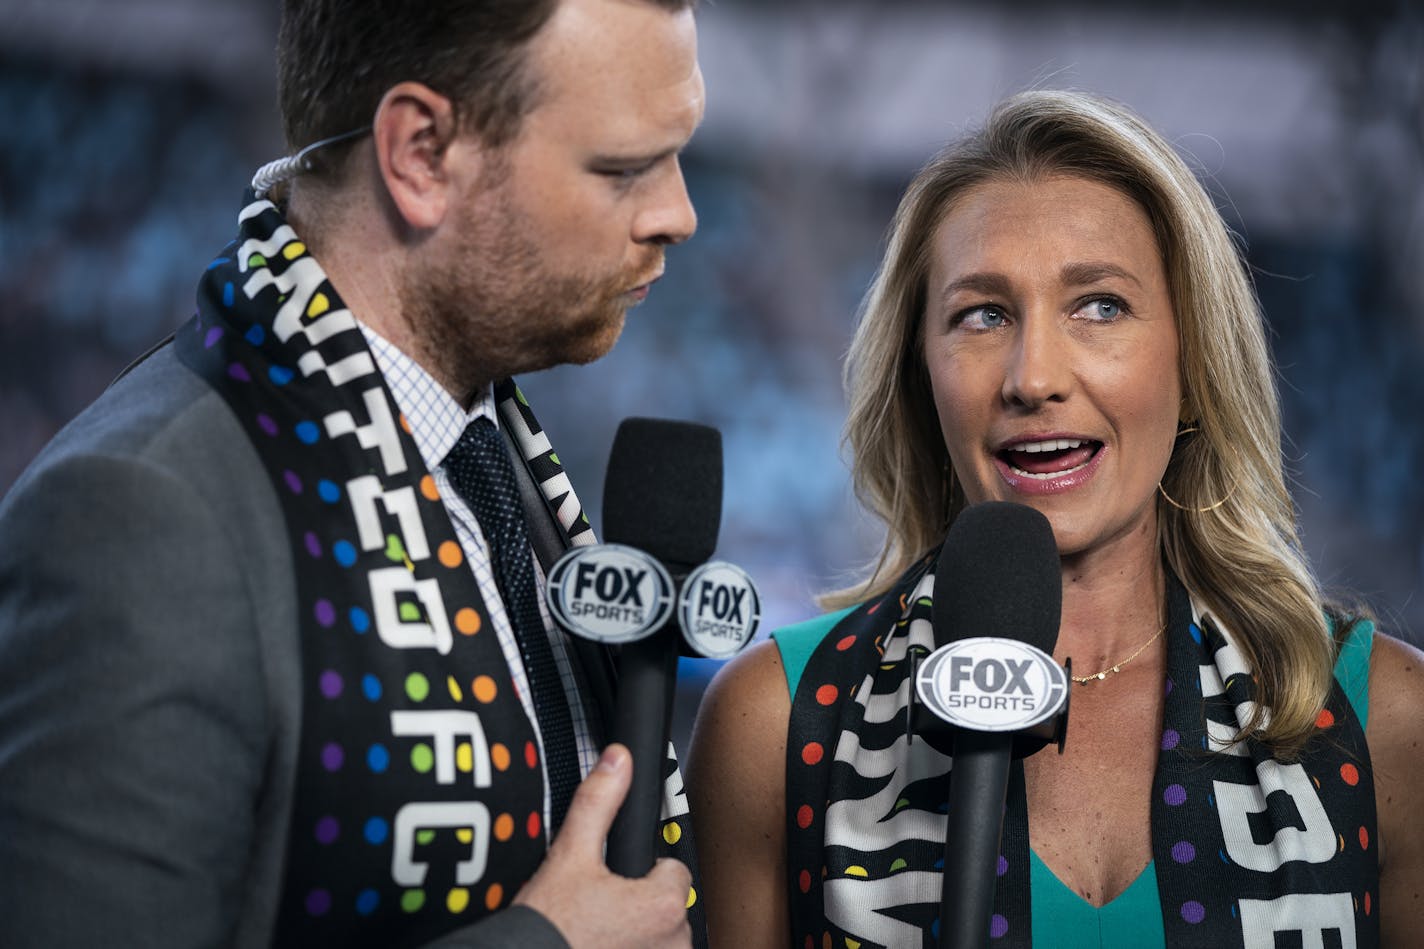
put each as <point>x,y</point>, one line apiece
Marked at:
<point>436,420</point>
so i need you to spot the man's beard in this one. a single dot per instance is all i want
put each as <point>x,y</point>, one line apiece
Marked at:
<point>494,309</point>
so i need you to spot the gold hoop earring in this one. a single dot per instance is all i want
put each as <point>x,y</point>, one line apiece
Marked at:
<point>1194,510</point>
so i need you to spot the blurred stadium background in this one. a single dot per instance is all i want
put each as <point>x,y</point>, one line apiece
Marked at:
<point>131,126</point>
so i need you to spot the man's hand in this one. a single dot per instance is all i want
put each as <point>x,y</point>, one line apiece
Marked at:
<point>591,905</point>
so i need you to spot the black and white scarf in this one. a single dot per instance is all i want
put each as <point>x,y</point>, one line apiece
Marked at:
<point>1245,847</point>
<point>418,805</point>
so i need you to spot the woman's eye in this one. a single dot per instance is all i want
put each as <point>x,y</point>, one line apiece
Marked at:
<point>983,318</point>
<point>1103,308</point>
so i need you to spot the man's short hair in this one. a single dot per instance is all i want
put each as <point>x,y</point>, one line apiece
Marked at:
<point>337,58</point>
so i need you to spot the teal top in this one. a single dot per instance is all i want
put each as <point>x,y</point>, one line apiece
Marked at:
<point>1061,918</point>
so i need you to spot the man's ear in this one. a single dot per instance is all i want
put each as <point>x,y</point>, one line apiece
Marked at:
<point>412,131</point>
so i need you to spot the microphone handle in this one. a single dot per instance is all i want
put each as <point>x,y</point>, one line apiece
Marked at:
<point>642,718</point>
<point>978,785</point>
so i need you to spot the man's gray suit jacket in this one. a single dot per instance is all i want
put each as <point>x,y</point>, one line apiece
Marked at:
<point>150,700</point>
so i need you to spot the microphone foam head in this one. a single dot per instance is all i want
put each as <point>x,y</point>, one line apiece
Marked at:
<point>663,491</point>
<point>999,575</point>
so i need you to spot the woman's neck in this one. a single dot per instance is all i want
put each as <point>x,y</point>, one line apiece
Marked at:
<point>1113,602</point>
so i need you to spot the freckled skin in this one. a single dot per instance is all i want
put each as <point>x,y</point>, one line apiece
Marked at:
<point>1396,708</point>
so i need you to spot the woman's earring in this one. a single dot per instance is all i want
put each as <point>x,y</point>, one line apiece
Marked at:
<point>1182,507</point>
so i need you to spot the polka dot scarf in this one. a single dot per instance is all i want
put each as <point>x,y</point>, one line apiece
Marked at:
<point>418,805</point>
<point>1245,847</point>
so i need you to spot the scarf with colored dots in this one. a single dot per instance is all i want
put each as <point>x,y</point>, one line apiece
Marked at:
<point>1245,847</point>
<point>418,806</point>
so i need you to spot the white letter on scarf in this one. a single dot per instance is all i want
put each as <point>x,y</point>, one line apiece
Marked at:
<point>1306,914</point>
<point>443,728</point>
<point>1235,802</point>
<point>413,818</point>
<point>397,633</point>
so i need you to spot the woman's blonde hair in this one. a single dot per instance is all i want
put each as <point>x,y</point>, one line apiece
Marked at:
<point>1241,557</point>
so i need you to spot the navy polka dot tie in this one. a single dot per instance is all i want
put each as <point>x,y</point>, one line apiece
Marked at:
<point>480,469</point>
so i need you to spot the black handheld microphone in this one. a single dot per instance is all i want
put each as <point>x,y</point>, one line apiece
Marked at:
<point>663,496</point>
<point>998,595</point>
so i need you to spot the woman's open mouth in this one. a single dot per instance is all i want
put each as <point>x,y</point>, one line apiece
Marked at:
<point>1051,458</point>
<point>1048,465</point>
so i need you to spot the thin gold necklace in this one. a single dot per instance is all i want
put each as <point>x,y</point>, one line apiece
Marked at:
<point>1084,680</point>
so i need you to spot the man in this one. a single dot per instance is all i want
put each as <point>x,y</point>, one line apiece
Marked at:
<point>273,665</point>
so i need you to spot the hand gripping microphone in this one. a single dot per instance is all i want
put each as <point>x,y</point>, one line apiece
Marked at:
<point>662,509</point>
<point>991,690</point>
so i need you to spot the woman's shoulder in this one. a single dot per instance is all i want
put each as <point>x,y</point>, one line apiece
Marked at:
<point>1397,691</point>
<point>1383,676</point>
<point>739,737</point>
<point>1396,695</point>
<point>747,688</point>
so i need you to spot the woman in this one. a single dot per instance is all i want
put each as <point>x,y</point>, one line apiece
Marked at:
<point>1063,321</point>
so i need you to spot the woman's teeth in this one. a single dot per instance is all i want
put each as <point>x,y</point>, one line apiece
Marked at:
<point>1060,444</point>
<point>1051,457</point>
